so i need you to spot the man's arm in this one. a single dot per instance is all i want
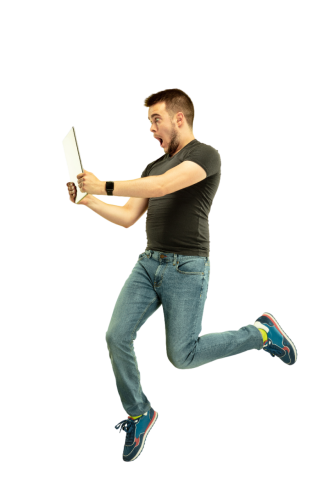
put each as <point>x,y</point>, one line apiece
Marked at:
<point>112,213</point>
<point>141,187</point>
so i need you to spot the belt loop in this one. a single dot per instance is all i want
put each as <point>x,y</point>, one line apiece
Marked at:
<point>174,259</point>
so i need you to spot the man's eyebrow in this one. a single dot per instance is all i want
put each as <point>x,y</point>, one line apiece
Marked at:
<point>155,114</point>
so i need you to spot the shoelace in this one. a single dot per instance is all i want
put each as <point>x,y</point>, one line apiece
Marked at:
<point>273,350</point>
<point>129,427</point>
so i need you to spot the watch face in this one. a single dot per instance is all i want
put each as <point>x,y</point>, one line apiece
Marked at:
<point>109,187</point>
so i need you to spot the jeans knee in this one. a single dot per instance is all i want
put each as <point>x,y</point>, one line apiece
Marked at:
<point>177,363</point>
<point>109,337</point>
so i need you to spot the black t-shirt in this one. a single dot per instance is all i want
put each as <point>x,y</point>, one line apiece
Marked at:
<point>178,222</point>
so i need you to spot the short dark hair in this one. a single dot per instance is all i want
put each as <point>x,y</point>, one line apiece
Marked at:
<point>175,101</point>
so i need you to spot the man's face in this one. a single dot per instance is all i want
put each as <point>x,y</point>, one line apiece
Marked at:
<point>163,129</point>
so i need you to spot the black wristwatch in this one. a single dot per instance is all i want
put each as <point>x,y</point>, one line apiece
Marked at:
<point>109,186</point>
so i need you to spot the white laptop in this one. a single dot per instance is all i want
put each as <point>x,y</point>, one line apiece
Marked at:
<point>73,159</point>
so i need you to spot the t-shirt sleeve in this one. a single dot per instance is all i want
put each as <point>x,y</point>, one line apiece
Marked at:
<point>207,157</point>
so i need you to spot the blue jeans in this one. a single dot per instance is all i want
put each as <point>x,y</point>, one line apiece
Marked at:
<point>180,284</point>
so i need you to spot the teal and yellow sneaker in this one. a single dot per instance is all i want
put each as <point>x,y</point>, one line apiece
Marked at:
<point>278,343</point>
<point>137,431</point>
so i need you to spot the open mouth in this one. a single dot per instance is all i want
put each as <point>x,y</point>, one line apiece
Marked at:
<point>160,141</point>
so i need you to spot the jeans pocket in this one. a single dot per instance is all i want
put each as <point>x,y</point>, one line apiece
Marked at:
<point>191,266</point>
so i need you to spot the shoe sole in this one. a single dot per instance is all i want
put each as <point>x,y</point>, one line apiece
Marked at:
<point>279,327</point>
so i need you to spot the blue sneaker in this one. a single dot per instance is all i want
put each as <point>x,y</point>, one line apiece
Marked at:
<point>278,343</point>
<point>137,432</point>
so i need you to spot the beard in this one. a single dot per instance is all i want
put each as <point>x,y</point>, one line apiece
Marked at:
<point>174,143</point>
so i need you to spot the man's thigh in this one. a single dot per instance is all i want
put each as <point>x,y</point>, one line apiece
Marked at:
<point>136,302</point>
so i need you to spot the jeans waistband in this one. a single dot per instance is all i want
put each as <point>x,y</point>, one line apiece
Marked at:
<point>171,256</point>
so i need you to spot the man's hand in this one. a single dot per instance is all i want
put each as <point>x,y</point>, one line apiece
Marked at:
<point>88,183</point>
<point>72,194</point>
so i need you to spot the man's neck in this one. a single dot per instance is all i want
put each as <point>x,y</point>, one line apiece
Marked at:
<point>186,143</point>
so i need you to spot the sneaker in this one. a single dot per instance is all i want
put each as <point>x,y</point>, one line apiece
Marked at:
<point>278,343</point>
<point>137,432</point>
